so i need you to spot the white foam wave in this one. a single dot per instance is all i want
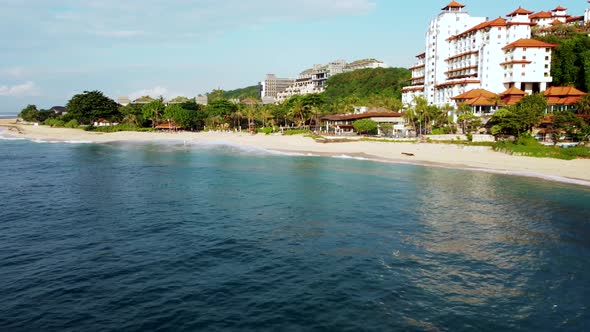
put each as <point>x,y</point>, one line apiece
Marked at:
<point>10,138</point>
<point>344,156</point>
<point>41,141</point>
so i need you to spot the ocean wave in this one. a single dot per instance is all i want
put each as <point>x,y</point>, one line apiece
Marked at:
<point>42,141</point>
<point>10,138</point>
<point>344,156</point>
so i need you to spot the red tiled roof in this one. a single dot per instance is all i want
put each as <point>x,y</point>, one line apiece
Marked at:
<point>563,91</point>
<point>416,78</point>
<point>475,93</point>
<point>421,55</point>
<point>499,22</point>
<point>540,15</point>
<point>559,9</point>
<point>563,101</point>
<point>482,101</point>
<point>530,43</point>
<point>513,91</point>
<point>520,11</point>
<point>511,100</point>
<point>574,19</point>
<point>453,4</point>
<point>556,22</point>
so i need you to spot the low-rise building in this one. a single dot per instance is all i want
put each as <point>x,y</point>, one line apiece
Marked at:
<point>123,101</point>
<point>342,124</point>
<point>201,100</point>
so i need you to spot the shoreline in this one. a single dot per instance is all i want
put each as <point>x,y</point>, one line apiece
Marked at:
<point>450,156</point>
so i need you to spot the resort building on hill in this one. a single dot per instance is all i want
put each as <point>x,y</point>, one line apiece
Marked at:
<point>465,53</point>
<point>313,80</point>
<point>272,86</point>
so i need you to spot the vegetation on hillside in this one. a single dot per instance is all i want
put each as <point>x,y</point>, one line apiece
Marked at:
<point>247,92</point>
<point>367,83</point>
<point>571,58</point>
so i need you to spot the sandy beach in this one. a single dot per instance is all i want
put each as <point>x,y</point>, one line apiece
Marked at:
<point>445,155</point>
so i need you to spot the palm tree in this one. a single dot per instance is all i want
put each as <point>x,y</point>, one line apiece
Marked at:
<point>298,110</point>
<point>264,113</point>
<point>583,106</point>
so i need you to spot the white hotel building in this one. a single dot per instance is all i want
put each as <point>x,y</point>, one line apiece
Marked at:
<point>465,53</point>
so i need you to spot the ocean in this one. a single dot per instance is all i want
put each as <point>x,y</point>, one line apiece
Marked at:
<point>213,237</point>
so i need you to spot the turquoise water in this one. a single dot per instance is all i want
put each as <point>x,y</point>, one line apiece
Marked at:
<point>140,237</point>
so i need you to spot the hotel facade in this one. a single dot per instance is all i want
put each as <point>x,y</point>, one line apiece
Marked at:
<point>465,53</point>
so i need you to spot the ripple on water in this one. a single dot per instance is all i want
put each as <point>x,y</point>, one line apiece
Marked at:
<point>137,237</point>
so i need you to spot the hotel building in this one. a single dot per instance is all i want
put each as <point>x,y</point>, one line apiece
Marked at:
<point>272,86</point>
<point>464,53</point>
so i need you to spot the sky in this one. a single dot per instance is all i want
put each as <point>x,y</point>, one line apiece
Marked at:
<point>53,49</point>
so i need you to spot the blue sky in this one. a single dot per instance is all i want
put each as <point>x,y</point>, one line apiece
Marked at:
<point>53,49</point>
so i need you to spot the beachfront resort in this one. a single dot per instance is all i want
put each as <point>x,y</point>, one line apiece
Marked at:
<point>477,79</point>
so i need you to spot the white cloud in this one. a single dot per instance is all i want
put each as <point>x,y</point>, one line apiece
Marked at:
<point>154,92</point>
<point>19,90</point>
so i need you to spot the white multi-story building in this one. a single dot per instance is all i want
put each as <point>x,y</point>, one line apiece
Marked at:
<point>465,53</point>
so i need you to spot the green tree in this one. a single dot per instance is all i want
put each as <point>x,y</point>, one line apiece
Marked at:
<point>91,105</point>
<point>364,83</point>
<point>183,118</point>
<point>386,129</point>
<point>153,111</point>
<point>568,123</point>
<point>29,113</point>
<point>132,114</point>
<point>364,126</point>
<point>469,122</point>
<point>529,112</point>
<point>583,106</point>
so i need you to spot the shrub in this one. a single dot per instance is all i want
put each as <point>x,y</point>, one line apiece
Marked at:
<point>72,124</point>
<point>296,132</point>
<point>438,131</point>
<point>266,130</point>
<point>54,123</point>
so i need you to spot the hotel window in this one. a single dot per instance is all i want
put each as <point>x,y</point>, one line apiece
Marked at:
<point>546,74</point>
<point>524,57</point>
<point>523,66</point>
<point>547,58</point>
<point>546,66</point>
<point>524,49</point>
<point>523,73</point>
<point>547,50</point>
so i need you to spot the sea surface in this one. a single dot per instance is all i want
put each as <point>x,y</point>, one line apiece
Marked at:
<point>172,237</point>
